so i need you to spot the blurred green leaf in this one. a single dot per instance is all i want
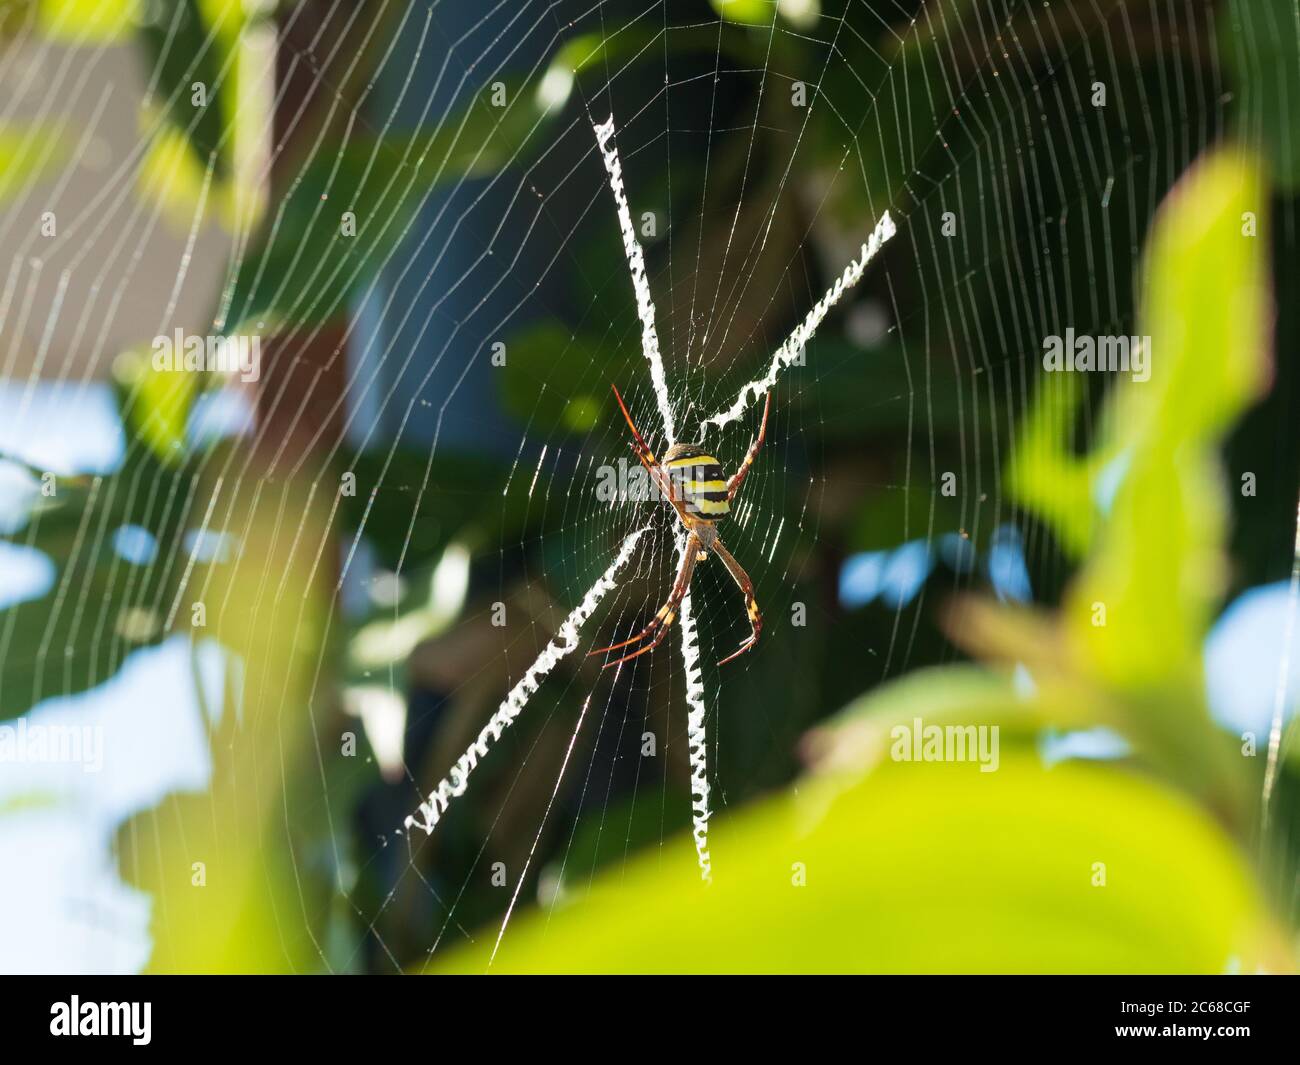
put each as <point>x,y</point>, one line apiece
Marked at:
<point>27,154</point>
<point>1147,501</point>
<point>856,739</point>
<point>1045,474</point>
<point>226,866</point>
<point>196,43</point>
<point>748,12</point>
<point>83,22</point>
<point>100,608</point>
<point>553,378</point>
<point>1159,567</point>
<point>922,867</point>
<point>158,409</point>
<point>802,13</point>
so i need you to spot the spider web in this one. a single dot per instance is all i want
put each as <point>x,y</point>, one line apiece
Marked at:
<point>814,198</point>
<point>455,784</point>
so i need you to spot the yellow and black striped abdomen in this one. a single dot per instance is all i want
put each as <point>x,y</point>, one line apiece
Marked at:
<point>699,482</point>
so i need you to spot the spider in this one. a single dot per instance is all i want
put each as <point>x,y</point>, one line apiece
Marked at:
<point>691,480</point>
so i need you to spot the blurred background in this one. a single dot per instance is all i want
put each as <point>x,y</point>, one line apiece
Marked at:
<point>275,611</point>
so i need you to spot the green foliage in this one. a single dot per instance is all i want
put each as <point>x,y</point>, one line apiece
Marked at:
<point>549,376</point>
<point>747,12</point>
<point>267,877</point>
<point>78,21</point>
<point>158,406</point>
<point>197,43</point>
<point>801,13</point>
<point>101,606</point>
<point>1045,474</point>
<point>1159,566</point>
<point>920,867</point>
<point>28,153</point>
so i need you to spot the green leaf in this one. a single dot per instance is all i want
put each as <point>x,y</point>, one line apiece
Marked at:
<point>1046,476</point>
<point>1159,567</point>
<point>27,154</point>
<point>81,22</point>
<point>158,407</point>
<point>1146,503</point>
<point>921,867</point>
<point>802,13</point>
<point>101,607</point>
<point>255,837</point>
<point>553,379</point>
<point>182,48</point>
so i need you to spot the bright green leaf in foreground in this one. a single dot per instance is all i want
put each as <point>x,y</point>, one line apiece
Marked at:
<point>1146,502</point>
<point>1159,568</point>
<point>922,867</point>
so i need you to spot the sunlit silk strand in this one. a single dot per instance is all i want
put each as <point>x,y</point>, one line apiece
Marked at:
<point>785,356</point>
<point>645,307</point>
<point>696,747</point>
<point>565,643</point>
<point>788,353</point>
<point>695,734</point>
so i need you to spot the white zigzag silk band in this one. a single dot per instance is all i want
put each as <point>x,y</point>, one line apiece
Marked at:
<point>645,307</point>
<point>695,735</point>
<point>696,749</point>
<point>565,643</point>
<point>788,352</point>
<point>785,356</point>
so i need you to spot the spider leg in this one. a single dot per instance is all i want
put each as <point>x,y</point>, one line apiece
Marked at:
<point>647,459</point>
<point>666,614</point>
<point>741,578</point>
<point>642,450</point>
<point>733,486</point>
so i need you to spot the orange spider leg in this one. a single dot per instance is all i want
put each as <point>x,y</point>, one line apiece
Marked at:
<point>733,486</point>
<point>642,450</point>
<point>647,459</point>
<point>741,578</point>
<point>666,614</point>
